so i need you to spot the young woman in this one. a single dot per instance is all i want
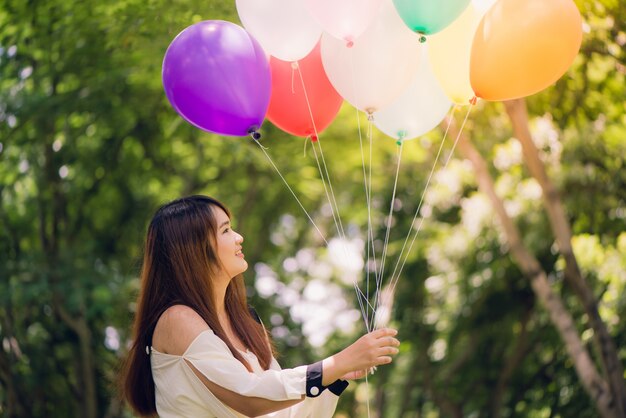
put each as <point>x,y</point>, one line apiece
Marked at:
<point>198,351</point>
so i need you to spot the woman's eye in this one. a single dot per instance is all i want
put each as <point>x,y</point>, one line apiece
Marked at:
<point>226,230</point>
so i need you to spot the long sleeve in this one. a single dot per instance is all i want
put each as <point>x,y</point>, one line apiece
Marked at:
<point>212,357</point>
<point>179,392</point>
<point>321,407</point>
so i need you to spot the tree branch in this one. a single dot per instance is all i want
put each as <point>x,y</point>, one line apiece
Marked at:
<point>516,109</point>
<point>595,386</point>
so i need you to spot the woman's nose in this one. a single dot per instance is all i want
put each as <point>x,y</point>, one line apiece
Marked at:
<point>239,238</point>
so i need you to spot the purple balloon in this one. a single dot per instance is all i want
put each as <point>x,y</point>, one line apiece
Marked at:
<point>217,77</point>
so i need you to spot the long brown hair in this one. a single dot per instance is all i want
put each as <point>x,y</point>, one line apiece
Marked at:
<point>180,258</point>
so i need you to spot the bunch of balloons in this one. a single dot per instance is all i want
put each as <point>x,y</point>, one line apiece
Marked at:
<point>404,62</point>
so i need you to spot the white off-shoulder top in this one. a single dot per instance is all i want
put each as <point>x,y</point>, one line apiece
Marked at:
<point>180,393</point>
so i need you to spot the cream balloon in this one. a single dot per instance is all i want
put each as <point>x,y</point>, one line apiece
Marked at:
<point>344,19</point>
<point>284,28</point>
<point>380,65</point>
<point>483,5</point>
<point>449,52</point>
<point>418,110</point>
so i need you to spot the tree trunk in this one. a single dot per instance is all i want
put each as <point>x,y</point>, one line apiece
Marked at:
<point>611,364</point>
<point>519,352</point>
<point>86,364</point>
<point>50,216</point>
<point>592,382</point>
<point>409,384</point>
<point>447,407</point>
<point>16,404</point>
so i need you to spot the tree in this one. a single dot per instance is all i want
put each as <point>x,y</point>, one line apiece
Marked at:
<point>89,148</point>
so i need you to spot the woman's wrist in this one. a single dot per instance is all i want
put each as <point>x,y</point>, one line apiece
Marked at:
<point>332,369</point>
<point>325,374</point>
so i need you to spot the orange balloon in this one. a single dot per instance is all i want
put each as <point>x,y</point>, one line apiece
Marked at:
<point>523,46</point>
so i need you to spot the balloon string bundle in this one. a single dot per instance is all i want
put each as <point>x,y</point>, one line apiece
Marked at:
<point>330,195</point>
<point>370,249</point>
<point>387,232</point>
<point>396,276</point>
<point>370,138</point>
<point>370,236</point>
<point>337,219</point>
<point>315,139</point>
<point>359,292</point>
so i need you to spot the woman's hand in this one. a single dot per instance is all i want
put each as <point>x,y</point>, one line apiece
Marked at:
<point>371,350</point>
<point>359,374</point>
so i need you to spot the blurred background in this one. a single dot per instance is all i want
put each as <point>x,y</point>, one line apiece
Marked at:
<point>510,303</point>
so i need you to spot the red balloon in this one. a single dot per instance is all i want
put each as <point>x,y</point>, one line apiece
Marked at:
<point>288,107</point>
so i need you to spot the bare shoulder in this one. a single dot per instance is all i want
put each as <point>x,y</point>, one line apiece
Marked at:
<point>176,329</point>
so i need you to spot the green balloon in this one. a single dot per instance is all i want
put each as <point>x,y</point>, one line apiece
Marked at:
<point>429,16</point>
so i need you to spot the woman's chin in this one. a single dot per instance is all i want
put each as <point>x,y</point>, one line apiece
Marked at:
<point>242,269</point>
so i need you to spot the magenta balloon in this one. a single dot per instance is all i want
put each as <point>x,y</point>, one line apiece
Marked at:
<point>217,77</point>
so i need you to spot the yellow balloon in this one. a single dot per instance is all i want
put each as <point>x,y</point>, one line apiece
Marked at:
<point>449,52</point>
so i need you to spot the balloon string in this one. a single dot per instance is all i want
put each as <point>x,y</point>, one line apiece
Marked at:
<point>370,122</point>
<point>359,292</point>
<point>394,280</point>
<point>291,190</point>
<point>331,196</point>
<point>306,141</point>
<point>389,218</point>
<point>367,392</point>
<point>294,66</point>
<point>419,206</point>
<point>370,249</point>
<point>340,228</point>
<point>330,184</point>
<point>377,278</point>
<point>357,289</point>
<point>370,237</point>
<point>315,138</point>
<point>367,263</point>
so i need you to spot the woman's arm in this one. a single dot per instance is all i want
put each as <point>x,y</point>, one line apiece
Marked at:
<point>255,395</point>
<point>250,406</point>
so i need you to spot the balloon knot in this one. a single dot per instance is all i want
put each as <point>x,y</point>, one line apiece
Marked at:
<point>398,142</point>
<point>254,134</point>
<point>349,43</point>
<point>370,115</point>
<point>294,65</point>
<point>473,100</point>
<point>313,138</point>
<point>422,39</point>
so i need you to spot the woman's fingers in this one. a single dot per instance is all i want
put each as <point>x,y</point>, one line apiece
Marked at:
<point>384,360</point>
<point>392,350</point>
<point>387,351</point>
<point>384,332</point>
<point>388,342</point>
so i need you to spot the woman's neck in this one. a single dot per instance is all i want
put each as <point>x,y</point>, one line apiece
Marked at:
<point>219,293</point>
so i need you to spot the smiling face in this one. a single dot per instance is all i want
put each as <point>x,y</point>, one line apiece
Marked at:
<point>229,248</point>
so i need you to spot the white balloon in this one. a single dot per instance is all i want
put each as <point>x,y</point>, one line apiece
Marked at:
<point>419,109</point>
<point>284,28</point>
<point>380,64</point>
<point>344,19</point>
